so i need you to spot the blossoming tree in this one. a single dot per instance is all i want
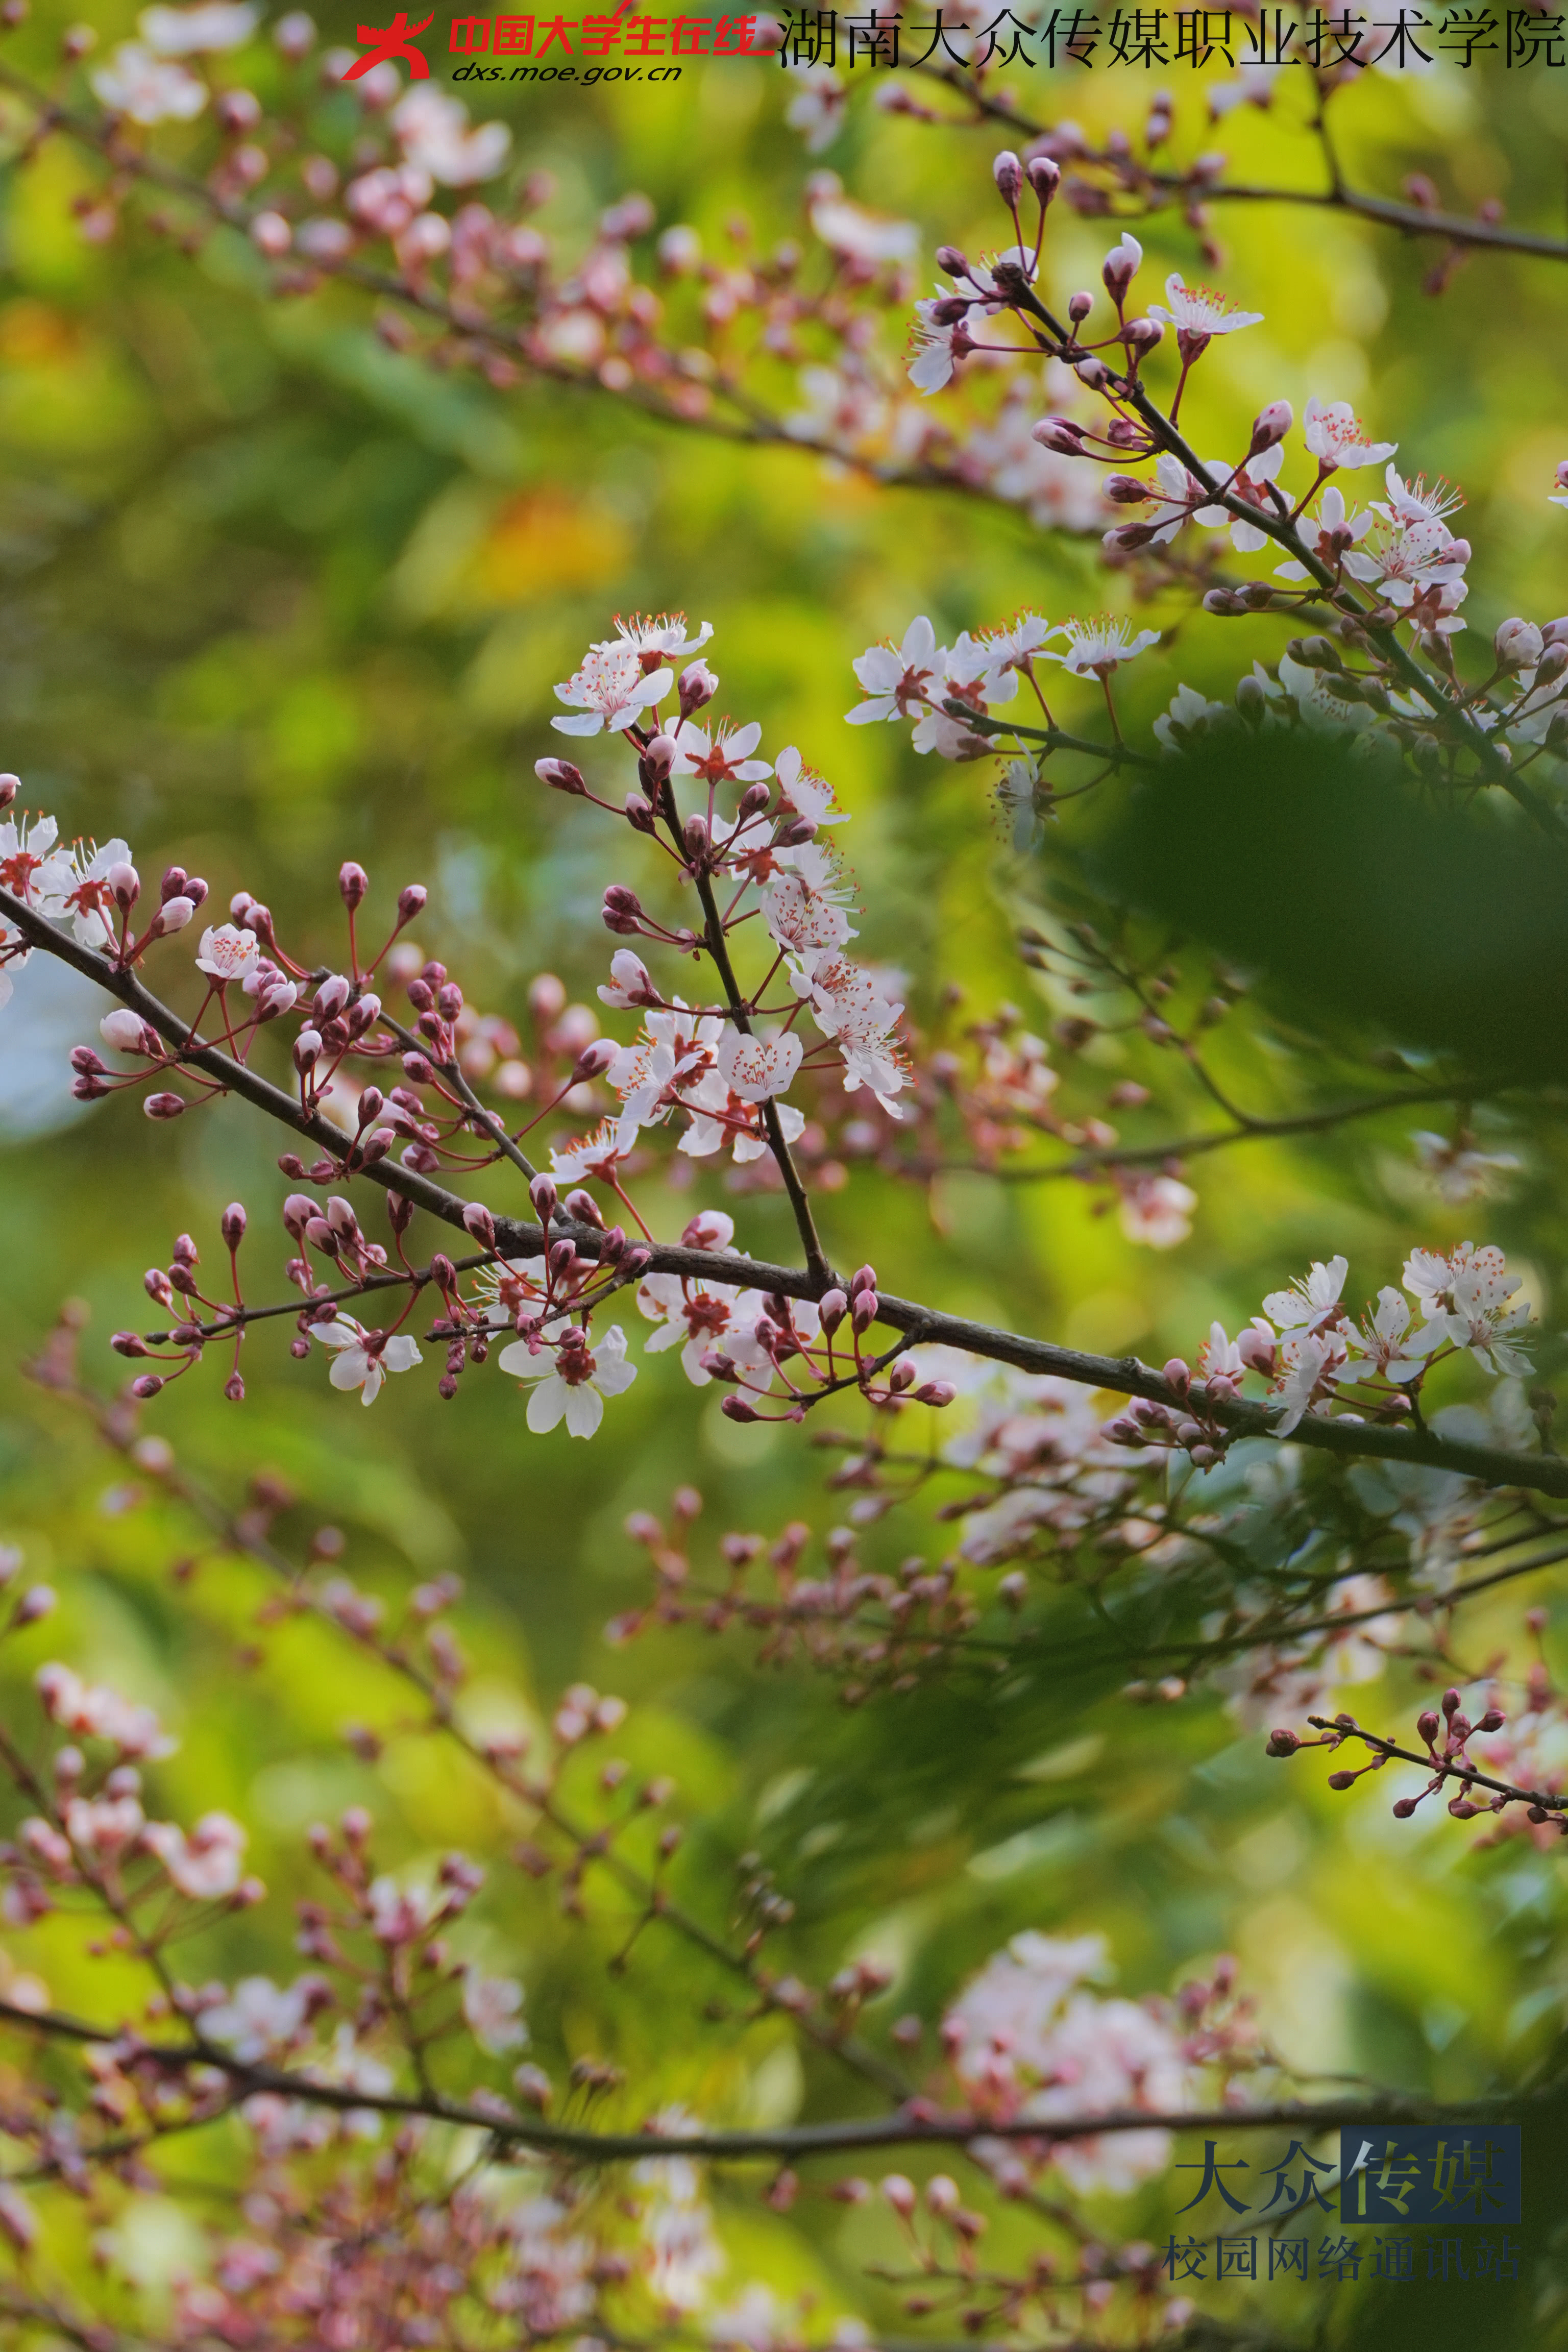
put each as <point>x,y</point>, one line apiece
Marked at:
<point>461,1211</point>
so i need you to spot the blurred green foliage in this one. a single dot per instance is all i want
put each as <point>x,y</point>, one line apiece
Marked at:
<point>272,596</point>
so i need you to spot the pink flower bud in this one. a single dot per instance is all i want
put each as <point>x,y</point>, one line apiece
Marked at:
<point>593,1060</point>
<point>1493,1720</point>
<point>479,1222</point>
<point>698,687</point>
<point>234,1225</point>
<point>330,997</point>
<point>582,1207</point>
<point>560,776</point>
<point>543,1193</point>
<point>833,1306</point>
<point>147,1385</point>
<point>1282,1743</point>
<point>1178,1375</point>
<point>411,902</point>
<point>659,756</point>
<point>130,1343</point>
<point>1518,646</point>
<point>1427,1723</point>
<point>864,1309</point>
<point>272,234</point>
<point>899,2193</point>
<point>163,1105</point>
<point>737,1409</point>
<point>1403,1807</point>
<point>353,884</point>
<point>1044,177</point>
<point>1451,1701</point>
<point>935,1392</point>
<point>9,787</point>
<point>173,915</point>
<point>863,1278</point>
<point>126,884</point>
<point>38,1600</point>
<point>1269,427</point>
<point>1008,175</point>
<point>307,1049</point>
<point>1343,1779</point>
<point>1126,489</point>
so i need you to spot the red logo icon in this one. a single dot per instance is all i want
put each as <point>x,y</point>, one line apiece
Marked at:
<point>394,40</point>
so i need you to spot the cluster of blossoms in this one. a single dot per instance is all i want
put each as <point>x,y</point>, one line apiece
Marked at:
<point>1028,2042</point>
<point>344,2202</point>
<point>1314,1356</point>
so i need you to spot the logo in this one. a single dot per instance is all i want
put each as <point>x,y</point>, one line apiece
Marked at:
<point>386,42</point>
<point>1431,2173</point>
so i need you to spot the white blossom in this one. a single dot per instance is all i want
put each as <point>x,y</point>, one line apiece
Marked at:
<point>434,133</point>
<point>137,83</point>
<point>611,688</point>
<point>1335,435</point>
<point>1096,648</point>
<point>1195,310</point>
<point>571,1383</point>
<point>202,31</point>
<point>204,1865</point>
<point>359,1364</point>
<point>490,2006</point>
<point>897,680</point>
<point>228,953</point>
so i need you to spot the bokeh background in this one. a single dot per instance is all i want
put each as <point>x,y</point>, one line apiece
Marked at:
<point>272,596</point>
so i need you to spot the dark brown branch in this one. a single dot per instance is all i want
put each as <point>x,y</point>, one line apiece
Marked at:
<point>1125,1375</point>
<point>1182,187</point>
<point>847,2137</point>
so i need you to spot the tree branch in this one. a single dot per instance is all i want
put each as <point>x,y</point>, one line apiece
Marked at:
<point>1125,1375</point>
<point>908,2128</point>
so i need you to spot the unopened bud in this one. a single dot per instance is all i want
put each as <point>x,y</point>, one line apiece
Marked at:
<point>583,1209</point>
<point>593,1060</point>
<point>1269,427</point>
<point>560,776</point>
<point>479,1221</point>
<point>698,687</point>
<point>353,884</point>
<point>1044,177</point>
<point>543,1193</point>
<point>9,787</point>
<point>1518,646</point>
<point>163,1105</point>
<point>1008,175</point>
<point>659,756</point>
<point>1282,1743</point>
<point>234,1225</point>
<point>1060,434</point>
